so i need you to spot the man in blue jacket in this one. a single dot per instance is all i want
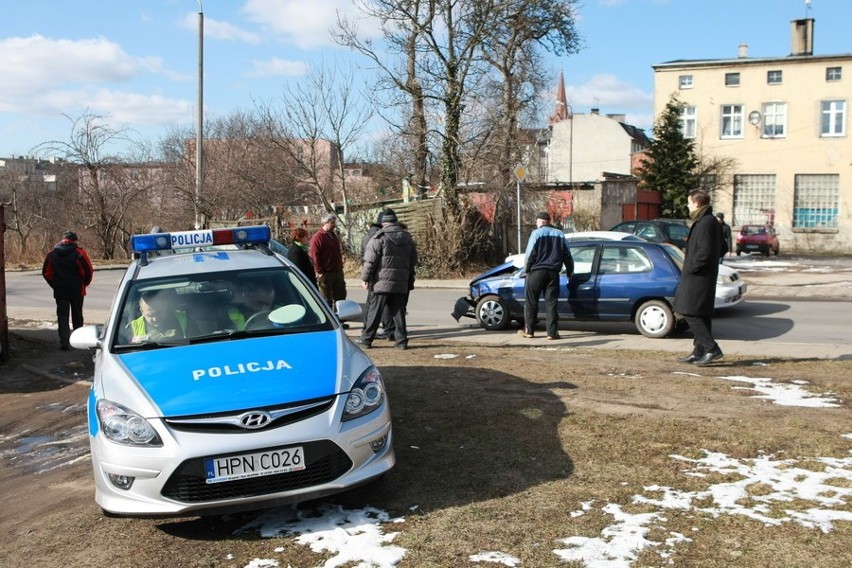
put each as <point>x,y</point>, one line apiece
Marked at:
<point>547,252</point>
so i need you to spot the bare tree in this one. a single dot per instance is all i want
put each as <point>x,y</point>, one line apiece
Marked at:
<point>401,22</point>
<point>108,184</point>
<point>313,124</point>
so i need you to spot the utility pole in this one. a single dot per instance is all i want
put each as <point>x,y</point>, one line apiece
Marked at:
<point>199,119</point>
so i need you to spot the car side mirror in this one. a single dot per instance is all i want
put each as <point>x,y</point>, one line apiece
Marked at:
<point>86,337</point>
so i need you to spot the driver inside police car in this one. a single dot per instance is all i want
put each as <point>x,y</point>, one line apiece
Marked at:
<point>251,295</point>
<point>159,319</point>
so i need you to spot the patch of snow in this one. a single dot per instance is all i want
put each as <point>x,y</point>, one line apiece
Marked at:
<point>351,536</point>
<point>495,558</point>
<point>786,394</point>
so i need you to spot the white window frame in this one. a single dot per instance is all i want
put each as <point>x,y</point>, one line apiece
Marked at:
<point>685,82</point>
<point>774,77</point>
<point>732,79</point>
<point>731,123</point>
<point>833,73</point>
<point>689,122</point>
<point>774,120</point>
<point>816,201</point>
<point>832,118</point>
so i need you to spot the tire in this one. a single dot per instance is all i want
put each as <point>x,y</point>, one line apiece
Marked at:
<point>766,252</point>
<point>777,251</point>
<point>739,252</point>
<point>492,313</point>
<point>655,319</point>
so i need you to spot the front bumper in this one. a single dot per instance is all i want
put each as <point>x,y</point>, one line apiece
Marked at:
<point>169,480</point>
<point>464,307</point>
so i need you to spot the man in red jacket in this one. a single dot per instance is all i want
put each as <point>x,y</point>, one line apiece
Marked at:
<point>326,252</point>
<point>68,270</point>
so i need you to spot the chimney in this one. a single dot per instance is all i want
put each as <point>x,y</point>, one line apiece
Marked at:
<point>742,51</point>
<point>802,37</point>
<point>595,110</point>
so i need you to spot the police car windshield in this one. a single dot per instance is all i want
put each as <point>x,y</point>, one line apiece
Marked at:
<point>166,312</point>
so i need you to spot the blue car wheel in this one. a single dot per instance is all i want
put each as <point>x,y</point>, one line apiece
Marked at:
<point>493,313</point>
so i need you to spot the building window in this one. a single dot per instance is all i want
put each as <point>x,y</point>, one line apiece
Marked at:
<point>817,201</point>
<point>833,73</point>
<point>732,79</point>
<point>685,81</point>
<point>688,121</point>
<point>774,120</point>
<point>732,121</point>
<point>833,118</point>
<point>754,200</point>
<point>773,77</point>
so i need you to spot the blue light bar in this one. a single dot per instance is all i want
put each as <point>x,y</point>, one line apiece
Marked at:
<point>191,239</point>
<point>150,242</point>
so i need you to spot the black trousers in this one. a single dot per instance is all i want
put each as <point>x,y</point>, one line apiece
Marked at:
<point>539,281</point>
<point>64,308</point>
<point>377,303</point>
<point>701,328</point>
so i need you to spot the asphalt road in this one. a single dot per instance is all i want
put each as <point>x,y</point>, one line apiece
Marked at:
<point>786,325</point>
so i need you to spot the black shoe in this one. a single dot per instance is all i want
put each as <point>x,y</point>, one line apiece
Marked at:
<point>401,346</point>
<point>65,347</point>
<point>709,357</point>
<point>364,344</point>
<point>690,359</point>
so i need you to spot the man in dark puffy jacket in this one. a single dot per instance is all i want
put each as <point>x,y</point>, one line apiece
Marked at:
<point>547,252</point>
<point>68,270</point>
<point>389,261</point>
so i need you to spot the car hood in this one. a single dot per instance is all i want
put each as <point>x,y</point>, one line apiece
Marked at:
<point>239,374</point>
<point>503,269</point>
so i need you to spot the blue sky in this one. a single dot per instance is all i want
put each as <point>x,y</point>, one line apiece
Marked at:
<point>136,61</point>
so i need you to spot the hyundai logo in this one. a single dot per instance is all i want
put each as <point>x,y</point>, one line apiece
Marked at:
<point>254,420</point>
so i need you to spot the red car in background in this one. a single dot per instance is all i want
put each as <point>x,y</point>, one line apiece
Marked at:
<point>757,238</point>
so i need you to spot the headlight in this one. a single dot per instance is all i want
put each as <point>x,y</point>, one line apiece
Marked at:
<point>366,396</point>
<point>124,426</point>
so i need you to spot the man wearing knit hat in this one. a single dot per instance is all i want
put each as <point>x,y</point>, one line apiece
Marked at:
<point>546,253</point>
<point>68,270</point>
<point>389,262</point>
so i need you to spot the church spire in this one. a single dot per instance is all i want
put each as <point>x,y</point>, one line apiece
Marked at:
<point>560,112</point>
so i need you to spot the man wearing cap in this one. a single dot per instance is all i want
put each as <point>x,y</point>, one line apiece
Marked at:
<point>387,322</point>
<point>326,253</point>
<point>547,252</point>
<point>389,261</point>
<point>727,242</point>
<point>68,270</point>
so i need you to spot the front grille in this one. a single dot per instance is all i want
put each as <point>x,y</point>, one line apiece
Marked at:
<point>324,459</point>
<point>229,421</point>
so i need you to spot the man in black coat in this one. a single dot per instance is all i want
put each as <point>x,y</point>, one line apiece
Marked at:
<point>696,293</point>
<point>727,240</point>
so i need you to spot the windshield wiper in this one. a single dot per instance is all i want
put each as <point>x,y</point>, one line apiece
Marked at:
<point>150,345</point>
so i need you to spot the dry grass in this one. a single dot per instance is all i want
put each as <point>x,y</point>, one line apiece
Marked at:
<point>496,451</point>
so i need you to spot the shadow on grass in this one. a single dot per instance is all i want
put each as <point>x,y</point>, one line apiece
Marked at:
<point>461,435</point>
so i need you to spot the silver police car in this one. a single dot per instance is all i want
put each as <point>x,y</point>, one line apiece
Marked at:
<point>223,381</point>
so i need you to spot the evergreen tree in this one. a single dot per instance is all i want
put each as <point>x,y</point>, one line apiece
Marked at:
<point>672,166</point>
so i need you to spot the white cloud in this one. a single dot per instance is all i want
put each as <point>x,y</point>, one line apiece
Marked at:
<point>51,77</point>
<point>305,27</point>
<point>217,29</point>
<point>277,67</point>
<point>35,63</point>
<point>608,92</point>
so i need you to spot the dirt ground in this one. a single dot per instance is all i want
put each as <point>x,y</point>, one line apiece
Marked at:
<point>50,519</point>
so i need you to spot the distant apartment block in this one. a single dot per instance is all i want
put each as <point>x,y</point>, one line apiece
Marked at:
<point>785,123</point>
